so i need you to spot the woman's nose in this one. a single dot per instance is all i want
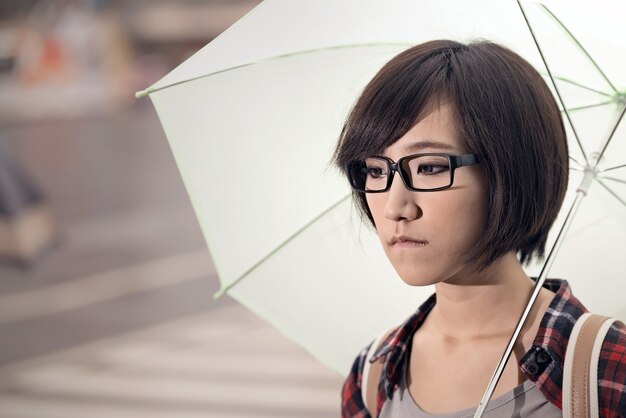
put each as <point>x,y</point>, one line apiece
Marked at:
<point>401,203</point>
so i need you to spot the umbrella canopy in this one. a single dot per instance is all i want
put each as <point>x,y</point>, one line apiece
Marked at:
<point>253,117</point>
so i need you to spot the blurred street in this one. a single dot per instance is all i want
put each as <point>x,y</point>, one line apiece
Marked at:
<point>106,284</point>
<point>117,319</point>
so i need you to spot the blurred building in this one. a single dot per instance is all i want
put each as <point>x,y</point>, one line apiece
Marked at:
<point>68,58</point>
<point>71,59</point>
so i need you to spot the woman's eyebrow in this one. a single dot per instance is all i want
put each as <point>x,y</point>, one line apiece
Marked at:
<point>420,145</point>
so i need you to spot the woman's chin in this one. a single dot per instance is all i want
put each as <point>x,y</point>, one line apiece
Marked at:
<point>419,278</point>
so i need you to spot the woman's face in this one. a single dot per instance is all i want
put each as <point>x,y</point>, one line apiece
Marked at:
<point>441,226</point>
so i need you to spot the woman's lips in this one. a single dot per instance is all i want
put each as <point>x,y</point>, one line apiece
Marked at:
<point>404,241</point>
<point>410,244</point>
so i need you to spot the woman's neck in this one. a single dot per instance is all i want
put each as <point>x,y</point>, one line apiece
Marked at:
<point>482,304</point>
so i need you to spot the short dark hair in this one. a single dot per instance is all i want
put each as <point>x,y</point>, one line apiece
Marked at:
<point>505,114</point>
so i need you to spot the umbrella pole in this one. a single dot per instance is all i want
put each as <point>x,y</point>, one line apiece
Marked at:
<point>533,297</point>
<point>591,169</point>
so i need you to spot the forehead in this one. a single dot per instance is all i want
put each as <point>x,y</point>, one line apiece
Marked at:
<point>435,131</point>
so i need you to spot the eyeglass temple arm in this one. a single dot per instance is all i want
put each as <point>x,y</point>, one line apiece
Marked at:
<point>467,159</point>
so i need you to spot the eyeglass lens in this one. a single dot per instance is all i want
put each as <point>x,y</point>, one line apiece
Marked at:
<point>422,172</point>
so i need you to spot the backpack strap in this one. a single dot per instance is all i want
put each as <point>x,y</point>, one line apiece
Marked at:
<point>580,374</point>
<point>371,375</point>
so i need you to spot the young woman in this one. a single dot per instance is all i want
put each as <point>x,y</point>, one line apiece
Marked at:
<point>458,157</point>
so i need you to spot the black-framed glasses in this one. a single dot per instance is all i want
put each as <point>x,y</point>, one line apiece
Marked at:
<point>419,172</point>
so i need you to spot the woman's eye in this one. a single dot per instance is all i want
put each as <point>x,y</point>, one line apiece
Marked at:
<point>374,172</point>
<point>431,169</point>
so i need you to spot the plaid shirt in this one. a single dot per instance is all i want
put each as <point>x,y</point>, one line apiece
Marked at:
<point>543,363</point>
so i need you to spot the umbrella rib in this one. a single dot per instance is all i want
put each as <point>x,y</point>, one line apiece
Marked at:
<point>579,45</point>
<point>617,123</point>
<point>614,168</point>
<point>573,109</point>
<point>576,161</point>
<point>225,289</point>
<point>582,86</point>
<point>558,93</point>
<point>608,189</point>
<point>613,179</point>
<point>150,90</point>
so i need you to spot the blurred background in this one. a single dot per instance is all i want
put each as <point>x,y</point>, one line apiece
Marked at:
<point>106,286</point>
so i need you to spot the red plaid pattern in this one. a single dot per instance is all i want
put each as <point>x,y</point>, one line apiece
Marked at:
<point>543,363</point>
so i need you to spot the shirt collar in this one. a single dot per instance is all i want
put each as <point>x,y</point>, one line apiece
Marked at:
<point>559,319</point>
<point>399,339</point>
<point>556,326</point>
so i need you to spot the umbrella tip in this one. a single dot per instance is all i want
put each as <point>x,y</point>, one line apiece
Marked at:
<point>142,93</point>
<point>219,293</point>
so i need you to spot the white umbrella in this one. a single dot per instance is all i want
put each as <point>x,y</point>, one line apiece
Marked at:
<point>253,117</point>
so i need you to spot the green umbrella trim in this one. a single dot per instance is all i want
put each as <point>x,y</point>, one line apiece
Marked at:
<point>150,90</point>
<point>578,44</point>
